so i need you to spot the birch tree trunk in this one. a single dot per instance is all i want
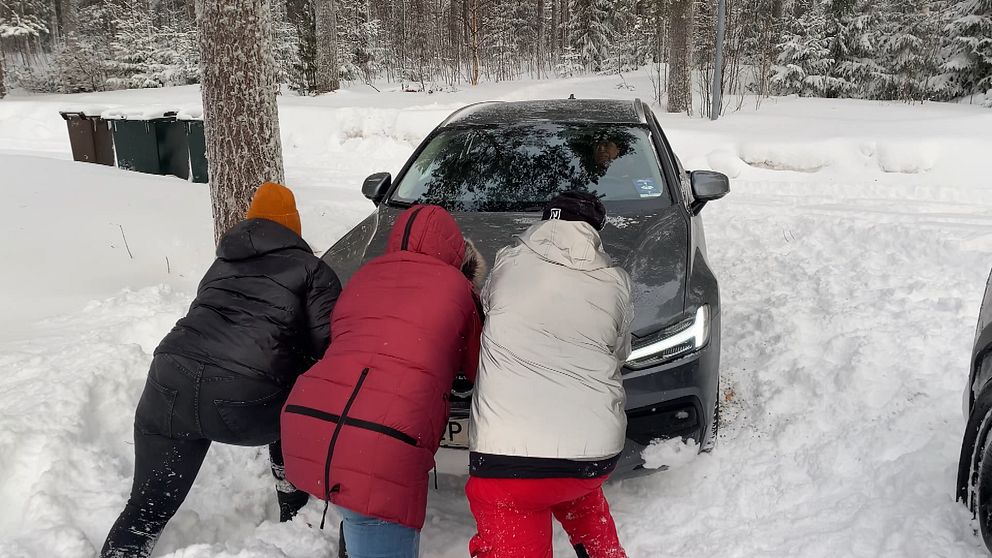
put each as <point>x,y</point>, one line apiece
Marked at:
<point>328,78</point>
<point>679,74</point>
<point>241,118</point>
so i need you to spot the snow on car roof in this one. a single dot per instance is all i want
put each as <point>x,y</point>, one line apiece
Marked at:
<point>605,111</point>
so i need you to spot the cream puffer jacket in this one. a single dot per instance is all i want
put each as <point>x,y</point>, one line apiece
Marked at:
<point>556,335</point>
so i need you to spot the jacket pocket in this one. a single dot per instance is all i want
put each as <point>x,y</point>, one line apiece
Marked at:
<point>252,423</point>
<point>155,409</point>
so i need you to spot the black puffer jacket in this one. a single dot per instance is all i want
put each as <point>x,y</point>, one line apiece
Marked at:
<point>263,308</point>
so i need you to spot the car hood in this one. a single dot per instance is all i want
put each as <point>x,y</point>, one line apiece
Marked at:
<point>652,247</point>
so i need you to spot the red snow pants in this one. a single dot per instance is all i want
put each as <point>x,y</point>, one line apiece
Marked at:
<point>514,517</point>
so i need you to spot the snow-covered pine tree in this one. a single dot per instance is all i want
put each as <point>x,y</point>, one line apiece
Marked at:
<point>589,31</point>
<point>328,68</point>
<point>141,53</point>
<point>853,36</point>
<point>303,73</point>
<point>501,41</point>
<point>79,65</point>
<point>285,46</point>
<point>241,117</point>
<point>133,60</point>
<point>22,30</point>
<point>569,63</point>
<point>804,58</point>
<point>627,44</point>
<point>757,28</point>
<point>179,54</point>
<point>968,61</point>
<point>368,53</point>
<point>909,46</point>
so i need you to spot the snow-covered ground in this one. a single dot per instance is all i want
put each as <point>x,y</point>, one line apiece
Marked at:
<point>852,255</point>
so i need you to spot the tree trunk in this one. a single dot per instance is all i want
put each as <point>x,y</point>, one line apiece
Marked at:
<point>474,30</point>
<point>241,117</point>
<point>455,41</point>
<point>566,18</point>
<point>679,74</point>
<point>540,37</point>
<point>65,11</point>
<point>327,46</point>
<point>553,35</point>
<point>3,88</point>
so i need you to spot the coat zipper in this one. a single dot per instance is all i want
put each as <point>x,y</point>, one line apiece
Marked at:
<point>334,440</point>
<point>409,228</point>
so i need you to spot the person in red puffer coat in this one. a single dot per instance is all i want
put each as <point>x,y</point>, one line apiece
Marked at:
<point>361,427</point>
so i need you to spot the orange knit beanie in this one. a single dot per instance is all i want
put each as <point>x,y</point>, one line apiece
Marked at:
<point>275,202</point>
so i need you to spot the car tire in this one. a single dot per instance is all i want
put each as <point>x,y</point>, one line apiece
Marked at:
<point>983,492</point>
<point>975,466</point>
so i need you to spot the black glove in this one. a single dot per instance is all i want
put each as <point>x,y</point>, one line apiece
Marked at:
<point>461,388</point>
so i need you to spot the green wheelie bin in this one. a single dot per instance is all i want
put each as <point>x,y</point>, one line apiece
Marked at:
<point>193,124</point>
<point>150,141</point>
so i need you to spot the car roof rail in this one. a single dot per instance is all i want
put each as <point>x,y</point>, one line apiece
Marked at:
<point>465,110</point>
<point>639,109</point>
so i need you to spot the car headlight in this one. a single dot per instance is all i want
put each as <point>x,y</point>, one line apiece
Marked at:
<point>673,342</point>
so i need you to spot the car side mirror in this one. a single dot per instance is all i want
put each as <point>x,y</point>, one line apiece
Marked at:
<point>706,187</point>
<point>376,186</point>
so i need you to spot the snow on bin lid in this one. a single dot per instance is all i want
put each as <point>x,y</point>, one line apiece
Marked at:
<point>190,113</point>
<point>91,111</point>
<point>139,113</point>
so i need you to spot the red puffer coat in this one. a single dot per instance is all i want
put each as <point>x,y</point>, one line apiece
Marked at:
<point>361,427</point>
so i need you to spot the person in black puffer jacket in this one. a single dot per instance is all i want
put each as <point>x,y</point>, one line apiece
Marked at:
<point>261,318</point>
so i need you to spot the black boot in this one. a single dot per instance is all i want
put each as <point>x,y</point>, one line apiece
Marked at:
<point>290,503</point>
<point>291,500</point>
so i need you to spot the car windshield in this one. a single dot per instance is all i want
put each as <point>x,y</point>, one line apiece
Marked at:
<point>520,167</point>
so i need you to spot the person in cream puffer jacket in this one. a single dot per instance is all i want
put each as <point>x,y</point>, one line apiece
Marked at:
<point>548,421</point>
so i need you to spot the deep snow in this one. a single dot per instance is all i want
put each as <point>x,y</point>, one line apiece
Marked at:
<point>852,255</point>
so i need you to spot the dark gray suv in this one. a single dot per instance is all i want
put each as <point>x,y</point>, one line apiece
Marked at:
<point>974,487</point>
<point>495,164</point>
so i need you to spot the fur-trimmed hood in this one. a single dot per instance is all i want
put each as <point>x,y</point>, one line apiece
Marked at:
<point>474,265</point>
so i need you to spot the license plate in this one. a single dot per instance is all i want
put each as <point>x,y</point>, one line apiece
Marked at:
<point>456,434</point>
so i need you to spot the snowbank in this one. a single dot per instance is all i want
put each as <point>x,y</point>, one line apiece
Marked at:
<point>80,231</point>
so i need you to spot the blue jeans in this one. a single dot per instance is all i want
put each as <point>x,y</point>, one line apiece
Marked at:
<point>370,537</point>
